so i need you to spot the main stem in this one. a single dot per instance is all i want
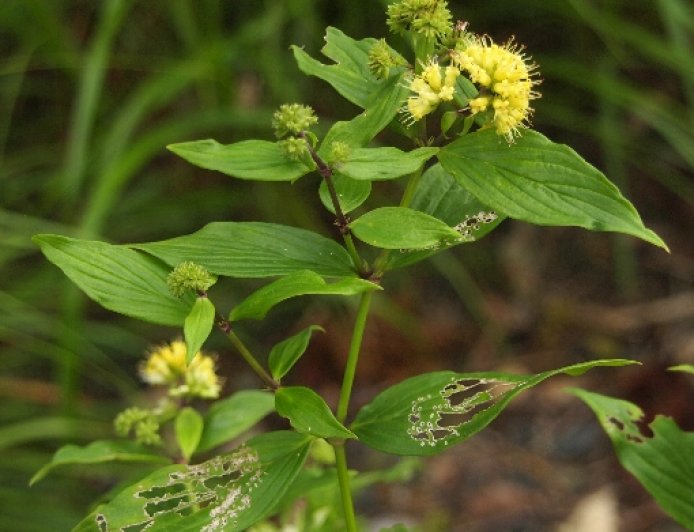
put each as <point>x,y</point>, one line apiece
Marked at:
<point>353,356</point>
<point>343,406</point>
<point>345,491</point>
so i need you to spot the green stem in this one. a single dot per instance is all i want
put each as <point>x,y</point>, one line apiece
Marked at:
<point>249,358</point>
<point>342,221</point>
<point>412,183</point>
<point>345,492</point>
<point>343,406</point>
<point>352,249</point>
<point>353,356</point>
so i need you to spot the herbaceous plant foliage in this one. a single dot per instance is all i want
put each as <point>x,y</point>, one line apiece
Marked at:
<point>468,159</point>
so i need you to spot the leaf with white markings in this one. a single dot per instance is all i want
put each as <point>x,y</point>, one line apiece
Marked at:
<point>230,492</point>
<point>426,414</point>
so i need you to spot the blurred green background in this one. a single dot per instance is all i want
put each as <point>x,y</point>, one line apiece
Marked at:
<point>92,91</point>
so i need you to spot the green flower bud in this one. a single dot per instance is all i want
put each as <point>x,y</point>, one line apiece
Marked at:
<point>189,276</point>
<point>147,432</point>
<point>294,148</point>
<point>142,422</point>
<point>430,18</point>
<point>124,421</point>
<point>382,58</point>
<point>293,118</point>
<point>339,152</point>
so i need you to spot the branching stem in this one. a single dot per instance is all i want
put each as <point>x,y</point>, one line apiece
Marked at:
<point>341,221</point>
<point>245,353</point>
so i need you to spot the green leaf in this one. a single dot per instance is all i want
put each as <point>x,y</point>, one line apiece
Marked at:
<point>230,492</point>
<point>285,354</point>
<point>254,249</point>
<point>228,418</point>
<point>465,91</point>
<point>684,368</point>
<point>306,282</point>
<point>308,413</point>
<point>426,414</point>
<point>448,119</point>
<point>259,160</point>
<point>98,452</point>
<point>350,74</point>
<point>198,326</point>
<point>439,195</point>
<point>189,426</point>
<point>380,111</point>
<point>662,462</point>
<point>402,228</point>
<point>350,193</point>
<point>379,164</point>
<point>541,182</point>
<point>118,278</point>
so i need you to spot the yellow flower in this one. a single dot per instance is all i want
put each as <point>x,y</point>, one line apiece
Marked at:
<point>201,379</point>
<point>433,86</point>
<point>166,365</point>
<point>506,80</point>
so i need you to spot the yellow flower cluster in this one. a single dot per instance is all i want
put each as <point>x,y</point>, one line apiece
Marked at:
<point>433,86</point>
<point>505,79</point>
<point>166,365</point>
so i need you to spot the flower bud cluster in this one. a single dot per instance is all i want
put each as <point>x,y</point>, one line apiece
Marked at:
<point>189,276</point>
<point>294,148</point>
<point>293,119</point>
<point>339,152</point>
<point>430,18</point>
<point>382,58</point>
<point>143,423</point>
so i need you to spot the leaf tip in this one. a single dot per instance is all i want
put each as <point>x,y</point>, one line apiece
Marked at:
<point>37,476</point>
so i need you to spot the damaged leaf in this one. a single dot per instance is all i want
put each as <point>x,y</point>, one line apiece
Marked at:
<point>426,414</point>
<point>660,457</point>
<point>229,492</point>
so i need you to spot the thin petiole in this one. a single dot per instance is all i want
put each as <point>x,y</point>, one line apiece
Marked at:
<point>246,354</point>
